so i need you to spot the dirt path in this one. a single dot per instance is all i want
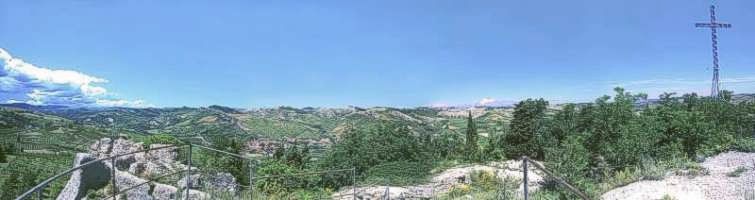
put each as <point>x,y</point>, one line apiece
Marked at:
<point>718,184</point>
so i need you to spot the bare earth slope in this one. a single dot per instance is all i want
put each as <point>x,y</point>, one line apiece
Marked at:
<point>716,185</point>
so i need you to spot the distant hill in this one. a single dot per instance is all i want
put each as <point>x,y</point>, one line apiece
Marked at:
<point>268,123</point>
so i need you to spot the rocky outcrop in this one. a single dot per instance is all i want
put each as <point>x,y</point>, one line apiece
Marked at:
<point>443,182</point>
<point>218,182</point>
<point>156,162</point>
<point>105,147</point>
<point>131,169</point>
<point>126,180</point>
<point>718,183</point>
<point>90,177</point>
<point>164,192</point>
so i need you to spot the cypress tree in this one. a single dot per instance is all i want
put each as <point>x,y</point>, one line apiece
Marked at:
<point>3,158</point>
<point>471,138</point>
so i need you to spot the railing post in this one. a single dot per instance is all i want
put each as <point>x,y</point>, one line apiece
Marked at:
<point>251,181</point>
<point>188,174</point>
<point>354,183</point>
<point>40,193</point>
<point>524,168</point>
<point>112,175</point>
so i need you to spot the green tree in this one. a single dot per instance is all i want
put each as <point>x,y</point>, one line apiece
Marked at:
<point>564,123</point>
<point>370,145</point>
<point>3,157</point>
<point>219,162</point>
<point>280,179</point>
<point>11,186</point>
<point>527,123</point>
<point>569,160</point>
<point>471,147</point>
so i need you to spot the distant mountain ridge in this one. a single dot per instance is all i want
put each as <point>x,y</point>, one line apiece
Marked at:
<point>281,122</point>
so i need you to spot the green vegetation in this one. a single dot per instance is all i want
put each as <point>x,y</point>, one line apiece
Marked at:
<point>525,127</point>
<point>160,139</point>
<point>472,146</point>
<point>25,170</point>
<point>596,146</point>
<point>737,172</point>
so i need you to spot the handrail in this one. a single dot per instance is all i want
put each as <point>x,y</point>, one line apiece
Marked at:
<point>146,182</point>
<point>224,152</point>
<point>55,177</point>
<point>549,173</point>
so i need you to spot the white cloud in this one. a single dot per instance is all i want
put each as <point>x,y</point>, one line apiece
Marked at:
<point>24,82</point>
<point>486,101</point>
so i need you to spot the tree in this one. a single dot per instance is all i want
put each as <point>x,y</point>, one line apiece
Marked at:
<point>3,158</point>
<point>471,147</point>
<point>280,179</point>
<point>238,167</point>
<point>369,146</point>
<point>569,160</point>
<point>525,126</point>
<point>564,123</point>
<point>11,186</point>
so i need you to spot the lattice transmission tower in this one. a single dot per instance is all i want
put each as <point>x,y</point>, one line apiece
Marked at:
<point>714,25</point>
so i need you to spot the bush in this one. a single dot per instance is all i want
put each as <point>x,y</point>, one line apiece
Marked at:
<point>398,173</point>
<point>737,172</point>
<point>459,190</point>
<point>652,171</point>
<point>668,197</point>
<point>278,177</point>
<point>160,139</point>
<point>485,180</point>
<point>744,145</point>
<point>621,178</point>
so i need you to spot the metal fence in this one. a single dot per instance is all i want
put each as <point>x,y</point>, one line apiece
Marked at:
<point>196,180</point>
<point>501,181</point>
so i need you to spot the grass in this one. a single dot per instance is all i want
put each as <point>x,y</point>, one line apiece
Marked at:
<point>43,165</point>
<point>484,185</point>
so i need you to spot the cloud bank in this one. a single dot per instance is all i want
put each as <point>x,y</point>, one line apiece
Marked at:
<point>22,82</point>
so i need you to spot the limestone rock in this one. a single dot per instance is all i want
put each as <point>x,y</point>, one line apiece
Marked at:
<point>94,176</point>
<point>219,182</point>
<point>164,192</point>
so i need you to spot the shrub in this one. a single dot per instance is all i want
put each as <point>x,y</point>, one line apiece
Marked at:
<point>668,197</point>
<point>278,179</point>
<point>737,172</point>
<point>398,173</point>
<point>459,190</point>
<point>622,178</point>
<point>160,139</point>
<point>652,170</point>
<point>744,145</point>
<point>485,180</point>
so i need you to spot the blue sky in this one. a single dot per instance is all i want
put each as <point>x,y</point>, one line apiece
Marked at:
<point>364,53</point>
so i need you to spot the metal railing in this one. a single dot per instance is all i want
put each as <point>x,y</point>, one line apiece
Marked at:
<point>526,160</point>
<point>39,188</point>
<point>187,173</point>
